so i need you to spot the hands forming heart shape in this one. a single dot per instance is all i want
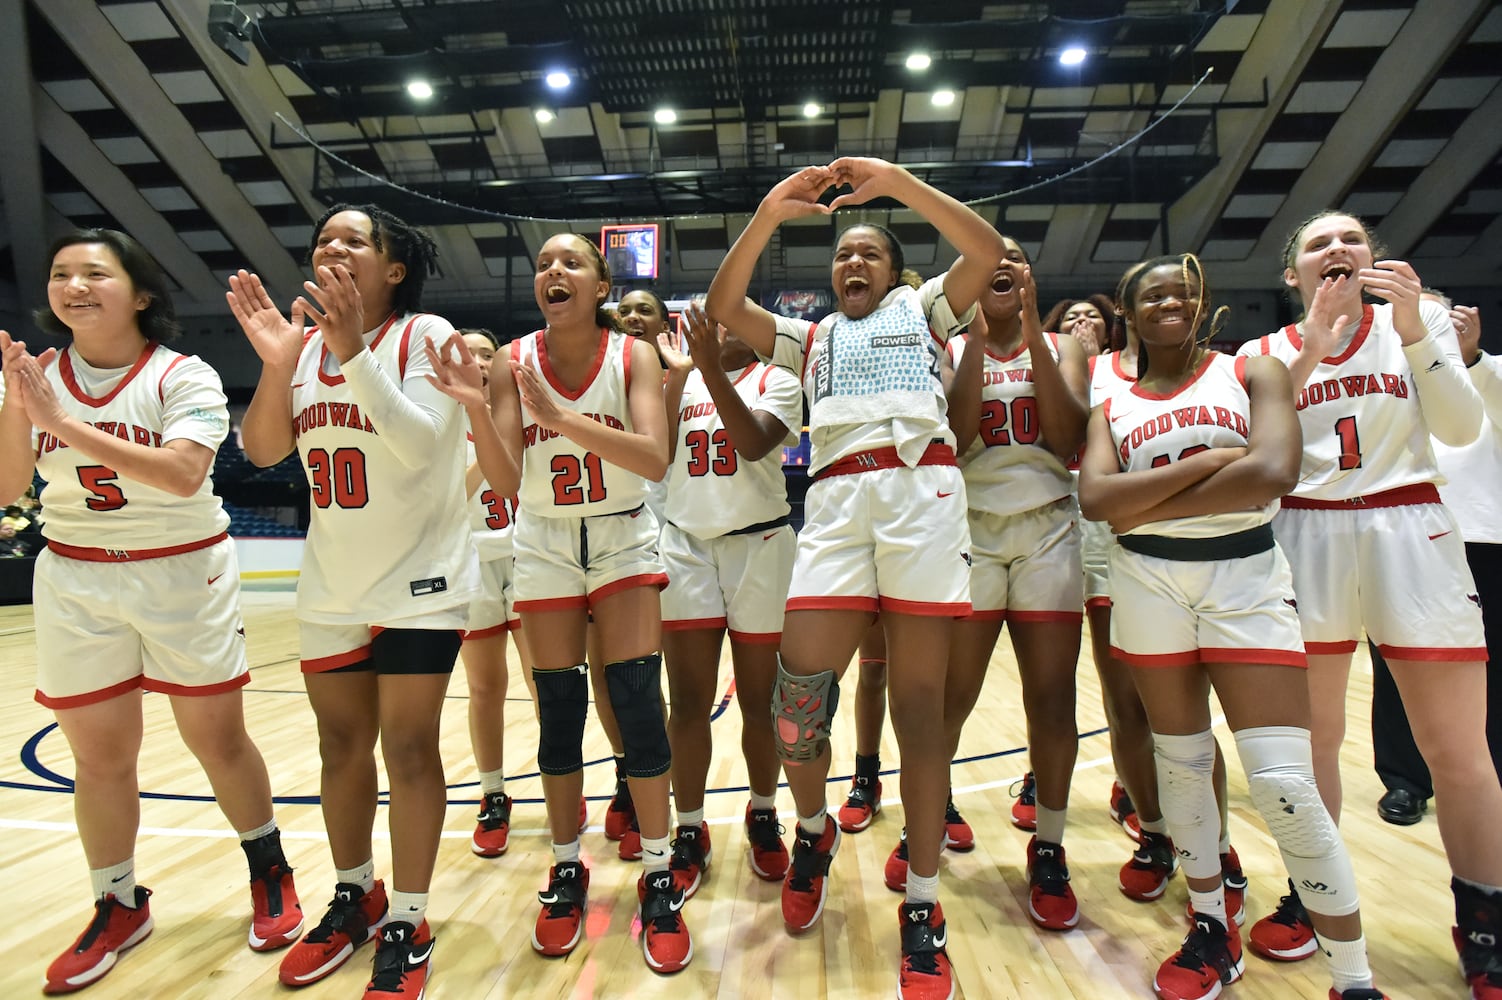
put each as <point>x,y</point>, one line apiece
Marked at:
<point>799,194</point>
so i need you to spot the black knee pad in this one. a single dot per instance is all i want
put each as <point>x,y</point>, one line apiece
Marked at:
<point>562,705</point>
<point>636,695</point>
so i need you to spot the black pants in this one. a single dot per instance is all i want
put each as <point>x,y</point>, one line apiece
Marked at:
<point>1399,763</point>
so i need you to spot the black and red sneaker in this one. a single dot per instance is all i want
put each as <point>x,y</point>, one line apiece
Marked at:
<point>1286,934</point>
<point>665,942</point>
<point>1123,812</point>
<point>925,973</point>
<point>560,924</point>
<point>492,826</point>
<point>1050,900</point>
<point>114,928</point>
<point>1209,958</point>
<point>403,962</point>
<point>769,855</point>
<point>862,805</point>
<point>1025,809</point>
<point>691,856</point>
<point>276,919</point>
<point>354,917</point>
<point>1478,939</point>
<point>805,887</point>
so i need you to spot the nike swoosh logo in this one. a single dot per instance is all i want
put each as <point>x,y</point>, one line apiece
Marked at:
<point>766,537</point>
<point>636,513</point>
<point>940,940</point>
<point>213,578</point>
<point>676,904</point>
<point>298,385</point>
<point>416,959</point>
<point>1437,364</point>
<point>117,880</point>
<point>943,495</point>
<point>547,899</point>
<point>1442,534</point>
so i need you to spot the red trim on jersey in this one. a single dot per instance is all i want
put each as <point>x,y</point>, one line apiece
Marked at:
<point>937,453</point>
<point>1097,602</point>
<point>1401,496</point>
<point>766,373</point>
<point>999,615</point>
<point>1021,346</point>
<point>626,366</point>
<point>516,349</point>
<point>926,609</point>
<point>1090,365</point>
<point>551,376</point>
<point>403,352</point>
<point>89,697</point>
<point>486,633</point>
<point>658,580</point>
<point>1120,371</point>
<point>65,370</point>
<point>832,604</point>
<point>1241,371</point>
<point>744,373</point>
<point>323,356</point>
<point>1243,654</point>
<point>1199,373</point>
<point>577,602</point>
<point>756,638</point>
<point>1105,408</point>
<point>1266,343</point>
<point>161,388</point>
<point>319,664</point>
<point>1042,617</point>
<point>692,624</point>
<point>808,349</point>
<point>1435,654</point>
<point>1188,658</point>
<point>196,690</point>
<point>1330,648</point>
<point>87,554</point>
<point>1367,314</point>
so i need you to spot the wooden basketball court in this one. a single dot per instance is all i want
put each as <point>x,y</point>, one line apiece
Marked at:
<point>482,910</point>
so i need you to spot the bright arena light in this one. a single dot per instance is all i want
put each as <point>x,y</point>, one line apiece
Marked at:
<point>665,116</point>
<point>420,89</point>
<point>942,98</point>
<point>543,116</point>
<point>558,79</point>
<point>918,62</point>
<point>1072,56</point>
<point>811,110</point>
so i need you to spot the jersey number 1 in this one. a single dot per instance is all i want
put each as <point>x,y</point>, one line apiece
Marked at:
<point>1350,443</point>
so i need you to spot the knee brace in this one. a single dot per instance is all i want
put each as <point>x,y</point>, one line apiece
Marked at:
<point>1280,777</point>
<point>802,708</point>
<point>636,695</point>
<point>1186,794</point>
<point>562,705</point>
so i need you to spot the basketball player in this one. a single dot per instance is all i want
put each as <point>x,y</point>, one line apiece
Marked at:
<point>1017,406</point>
<point>138,588</point>
<point>885,517</point>
<point>727,547</point>
<point>1373,548</point>
<point>1187,466</point>
<point>388,571</point>
<point>581,428</point>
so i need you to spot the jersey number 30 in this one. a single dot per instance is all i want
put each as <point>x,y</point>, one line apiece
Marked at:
<point>339,478</point>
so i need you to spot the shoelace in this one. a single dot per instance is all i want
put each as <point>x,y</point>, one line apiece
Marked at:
<point>918,953</point>
<point>1197,950</point>
<point>764,831</point>
<point>1027,794</point>
<point>951,814</point>
<point>1154,852</point>
<point>272,881</point>
<point>565,892</point>
<point>1290,911</point>
<point>390,967</point>
<point>687,852</point>
<point>657,908</point>
<point>807,860</point>
<point>1050,875</point>
<point>341,916</point>
<point>862,792</point>
<point>495,811</point>
<point>97,926</point>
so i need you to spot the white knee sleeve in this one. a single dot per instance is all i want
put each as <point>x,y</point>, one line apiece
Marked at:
<point>1280,776</point>
<point>1186,794</point>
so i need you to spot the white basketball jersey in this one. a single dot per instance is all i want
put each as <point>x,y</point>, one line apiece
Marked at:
<point>1211,411</point>
<point>1009,467</point>
<point>491,516</point>
<point>1364,430</point>
<point>559,479</point>
<point>1108,378</point>
<point>164,396</point>
<point>711,489</point>
<point>386,541</point>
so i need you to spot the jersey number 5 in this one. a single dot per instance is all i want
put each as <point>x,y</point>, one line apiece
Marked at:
<point>699,462</point>
<point>339,478</point>
<point>568,470</point>
<point>100,481</point>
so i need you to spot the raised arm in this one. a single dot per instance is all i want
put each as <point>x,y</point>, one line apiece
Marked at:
<point>497,455</point>
<point>17,459</point>
<point>794,196</point>
<point>978,242</point>
<point>266,430</point>
<point>964,385</point>
<point>1060,386</point>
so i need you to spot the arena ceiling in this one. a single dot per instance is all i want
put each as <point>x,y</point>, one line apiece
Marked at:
<point>138,118</point>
